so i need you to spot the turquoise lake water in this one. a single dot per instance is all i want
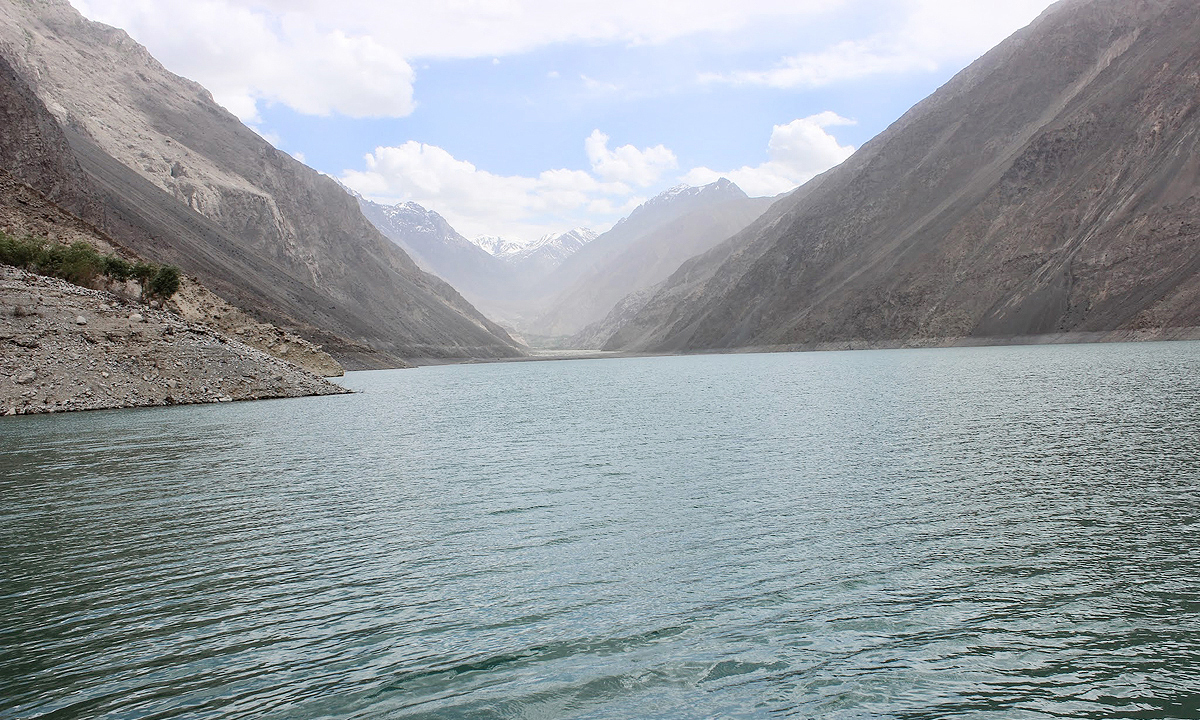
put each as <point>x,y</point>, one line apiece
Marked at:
<point>983,533</point>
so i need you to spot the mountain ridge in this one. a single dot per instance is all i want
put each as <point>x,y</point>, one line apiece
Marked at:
<point>640,250</point>
<point>158,148</point>
<point>1029,195</point>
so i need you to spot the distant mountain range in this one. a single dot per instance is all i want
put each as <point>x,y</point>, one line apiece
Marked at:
<point>639,251</point>
<point>492,273</point>
<point>1051,187</point>
<point>497,246</point>
<point>551,249</point>
<point>550,289</point>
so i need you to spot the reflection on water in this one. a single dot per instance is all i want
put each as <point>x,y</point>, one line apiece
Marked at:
<point>1007,532</point>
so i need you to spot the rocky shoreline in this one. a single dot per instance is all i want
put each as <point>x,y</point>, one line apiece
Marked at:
<point>66,348</point>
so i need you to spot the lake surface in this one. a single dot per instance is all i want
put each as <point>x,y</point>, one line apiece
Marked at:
<point>999,532</point>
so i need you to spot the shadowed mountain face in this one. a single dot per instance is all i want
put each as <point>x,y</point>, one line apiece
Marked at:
<point>34,149</point>
<point>181,180</point>
<point>1053,186</point>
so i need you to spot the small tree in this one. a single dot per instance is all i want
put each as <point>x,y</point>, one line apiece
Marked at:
<point>117,268</point>
<point>165,282</point>
<point>143,272</point>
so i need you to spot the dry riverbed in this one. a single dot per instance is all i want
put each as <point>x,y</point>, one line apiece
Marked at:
<point>64,347</point>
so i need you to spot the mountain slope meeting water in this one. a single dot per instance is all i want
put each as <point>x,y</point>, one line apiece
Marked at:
<point>1051,187</point>
<point>181,180</point>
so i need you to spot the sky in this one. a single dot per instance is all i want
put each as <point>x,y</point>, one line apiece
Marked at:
<point>519,118</point>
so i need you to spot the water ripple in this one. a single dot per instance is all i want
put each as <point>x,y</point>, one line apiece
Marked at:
<point>1007,532</point>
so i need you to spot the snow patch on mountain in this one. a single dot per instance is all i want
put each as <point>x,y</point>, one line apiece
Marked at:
<point>413,217</point>
<point>557,247</point>
<point>681,193</point>
<point>552,248</point>
<point>500,247</point>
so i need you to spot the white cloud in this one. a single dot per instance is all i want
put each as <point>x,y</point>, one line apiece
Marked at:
<point>797,152</point>
<point>356,57</point>
<point>627,164</point>
<point>929,34</point>
<point>478,202</point>
<point>246,56</point>
<point>496,28</point>
<point>599,87</point>
<point>847,60</point>
<point>353,57</point>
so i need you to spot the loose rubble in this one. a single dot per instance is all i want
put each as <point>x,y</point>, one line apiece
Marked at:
<point>64,347</point>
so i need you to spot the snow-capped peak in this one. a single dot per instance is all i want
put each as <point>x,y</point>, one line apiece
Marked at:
<point>557,247</point>
<point>553,247</point>
<point>722,186</point>
<point>413,216</point>
<point>498,246</point>
<point>674,192</point>
<point>576,239</point>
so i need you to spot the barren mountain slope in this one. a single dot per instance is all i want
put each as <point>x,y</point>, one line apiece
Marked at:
<point>34,149</point>
<point>640,251</point>
<point>292,244</point>
<point>37,163</point>
<point>1053,186</point>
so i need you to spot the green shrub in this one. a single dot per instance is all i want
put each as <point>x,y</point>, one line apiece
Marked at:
<point>21,253</point>
<point>144,272</point>
<point>117,268</point>
<point>82,265</point>
<point>49,259</point>
<point>165,282</point>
